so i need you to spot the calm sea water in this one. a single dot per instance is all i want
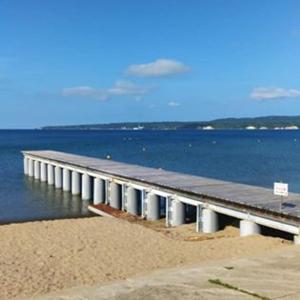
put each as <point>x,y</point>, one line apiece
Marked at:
<point>253,157</point>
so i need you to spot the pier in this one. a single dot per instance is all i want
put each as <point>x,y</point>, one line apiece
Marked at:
<point>156,193</point>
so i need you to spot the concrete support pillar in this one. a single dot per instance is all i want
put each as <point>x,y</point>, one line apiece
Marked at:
<point>37,170</point>
<point>25,160</point>
<point>210,222</point>
<point>30,167</point>
<point>86,193</point>
<point>133,198</point>
<point>58,177</point>
<point>249,228</point>
<point>66,180</point>
<point>115,195</point>
<point>99,191</point>
<point>297,239</point>
<point>178,213</point>
<point>75,183</point>
<point>153,207</point>
<point>43,172</point>
<point>50,174</point>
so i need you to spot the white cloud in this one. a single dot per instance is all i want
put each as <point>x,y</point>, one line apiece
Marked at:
<point>160,67</point>
<point>272,93</point>
<point>173,104</point>
<point>84,91</point>
<point>120,88</point>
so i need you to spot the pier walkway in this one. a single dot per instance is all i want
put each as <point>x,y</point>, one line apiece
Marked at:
<point>144,191</point>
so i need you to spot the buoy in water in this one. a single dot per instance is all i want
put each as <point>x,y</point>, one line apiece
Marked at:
<point>108,156</point>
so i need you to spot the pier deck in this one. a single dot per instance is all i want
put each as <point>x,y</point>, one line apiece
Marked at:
<point>242,197</point>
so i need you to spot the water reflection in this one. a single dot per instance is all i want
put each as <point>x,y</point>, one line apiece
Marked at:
<point>45,202</point>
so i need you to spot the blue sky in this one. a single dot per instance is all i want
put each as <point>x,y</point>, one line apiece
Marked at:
<point>73,62</point>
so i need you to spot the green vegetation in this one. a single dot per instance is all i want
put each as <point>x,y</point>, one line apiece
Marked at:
<point>232,287</point>
<point>270,122</point>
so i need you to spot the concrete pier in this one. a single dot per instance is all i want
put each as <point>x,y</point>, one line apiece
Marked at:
<point>178,213</point>
<point>153,207</point>
<point>210,222</point>
<point>86,193</point>
<point>99,191</point>
<point>58,177</point>
<point>50,174</point>
<point>66,180</point>
<point>115,195</point>
<point>37,170</point>
<point>133,199</point>
<point>248,227</point>
<point>142,189</point>
<point>75,183</point>
<point>43,172</point>
<point>30,167</point>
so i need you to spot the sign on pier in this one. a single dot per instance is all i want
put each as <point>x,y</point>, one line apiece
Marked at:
<point>281,189</point>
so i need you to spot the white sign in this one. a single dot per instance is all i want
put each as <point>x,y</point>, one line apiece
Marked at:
<point>281,189</point>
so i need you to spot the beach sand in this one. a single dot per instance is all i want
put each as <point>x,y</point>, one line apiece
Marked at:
<point>42,257</point>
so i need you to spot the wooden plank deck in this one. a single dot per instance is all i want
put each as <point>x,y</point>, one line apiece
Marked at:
<point>217,191</point>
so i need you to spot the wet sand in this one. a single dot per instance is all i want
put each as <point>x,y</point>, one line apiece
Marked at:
<point>41,257</point>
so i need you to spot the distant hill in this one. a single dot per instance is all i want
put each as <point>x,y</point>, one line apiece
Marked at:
<point>270,122</point>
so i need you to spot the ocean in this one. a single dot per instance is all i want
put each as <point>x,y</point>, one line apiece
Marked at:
<point>252,157</point>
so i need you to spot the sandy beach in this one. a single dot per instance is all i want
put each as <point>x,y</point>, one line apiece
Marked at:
<point>41,257</point>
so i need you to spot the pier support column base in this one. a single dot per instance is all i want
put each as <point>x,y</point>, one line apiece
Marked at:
<point>99,191</point>
<point>43,172</point>
<point>75,185</point>
<point>58,177</point>
<point>133,197</point>
<point>210,222</point>
<point>37,170</point>
<point>25,165</point>
<point>66,180</point>
<point>50,174</point>
<point>115,195</point>
<point>249,228</point>
<point>30,167</point>
<point>297,239</point>
<point>153,207</point>
<point>178,213</point>
<point>86,189</point>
